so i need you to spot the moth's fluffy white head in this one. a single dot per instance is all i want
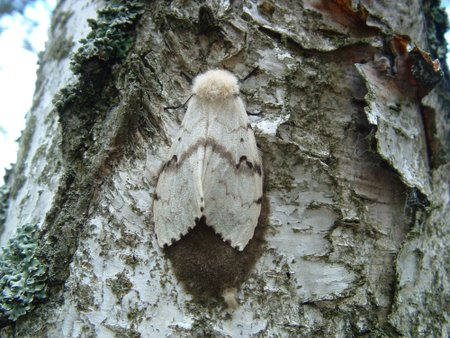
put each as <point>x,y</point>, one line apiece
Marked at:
<point>215,85</point>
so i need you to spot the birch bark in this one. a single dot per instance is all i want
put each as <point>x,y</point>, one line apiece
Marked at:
<point>353,132</point>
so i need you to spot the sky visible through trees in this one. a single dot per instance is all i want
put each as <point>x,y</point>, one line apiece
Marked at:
<point>23,33</point>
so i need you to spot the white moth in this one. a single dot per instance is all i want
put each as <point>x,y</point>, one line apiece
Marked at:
<point>213,172</point>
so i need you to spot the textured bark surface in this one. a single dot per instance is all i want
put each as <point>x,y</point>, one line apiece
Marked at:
<point>355,161</point>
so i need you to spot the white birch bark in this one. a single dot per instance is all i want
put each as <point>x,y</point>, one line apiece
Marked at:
<point>357,217</point>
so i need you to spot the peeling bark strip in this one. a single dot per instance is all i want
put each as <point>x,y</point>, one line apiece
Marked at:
<point>217,179</point>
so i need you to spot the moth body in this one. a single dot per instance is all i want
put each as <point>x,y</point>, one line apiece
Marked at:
<point>213,172</point>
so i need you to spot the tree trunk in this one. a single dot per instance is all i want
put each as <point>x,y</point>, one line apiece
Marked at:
<point>353,133</point>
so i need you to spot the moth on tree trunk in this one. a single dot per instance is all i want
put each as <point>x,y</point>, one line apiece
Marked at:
<point>213,175</point>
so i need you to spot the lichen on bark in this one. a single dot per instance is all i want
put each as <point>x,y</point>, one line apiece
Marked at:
<point>23,276</point>
<point>347,231</point>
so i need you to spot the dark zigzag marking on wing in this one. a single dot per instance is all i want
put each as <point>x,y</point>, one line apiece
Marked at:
<point>217,148</point>
<point>245,128</point>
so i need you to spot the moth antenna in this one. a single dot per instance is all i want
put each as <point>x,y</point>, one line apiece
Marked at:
<point>179,106</point>
<point>252,72</point>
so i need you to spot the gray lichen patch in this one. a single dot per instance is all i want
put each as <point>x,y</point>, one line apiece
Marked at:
<point>84,296</point>
<point>60,20</point>
<point>120,285</point>
<point>60,44</point>
<point>23,276</point>
<point>60,47</point>
<point>19,168</point>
